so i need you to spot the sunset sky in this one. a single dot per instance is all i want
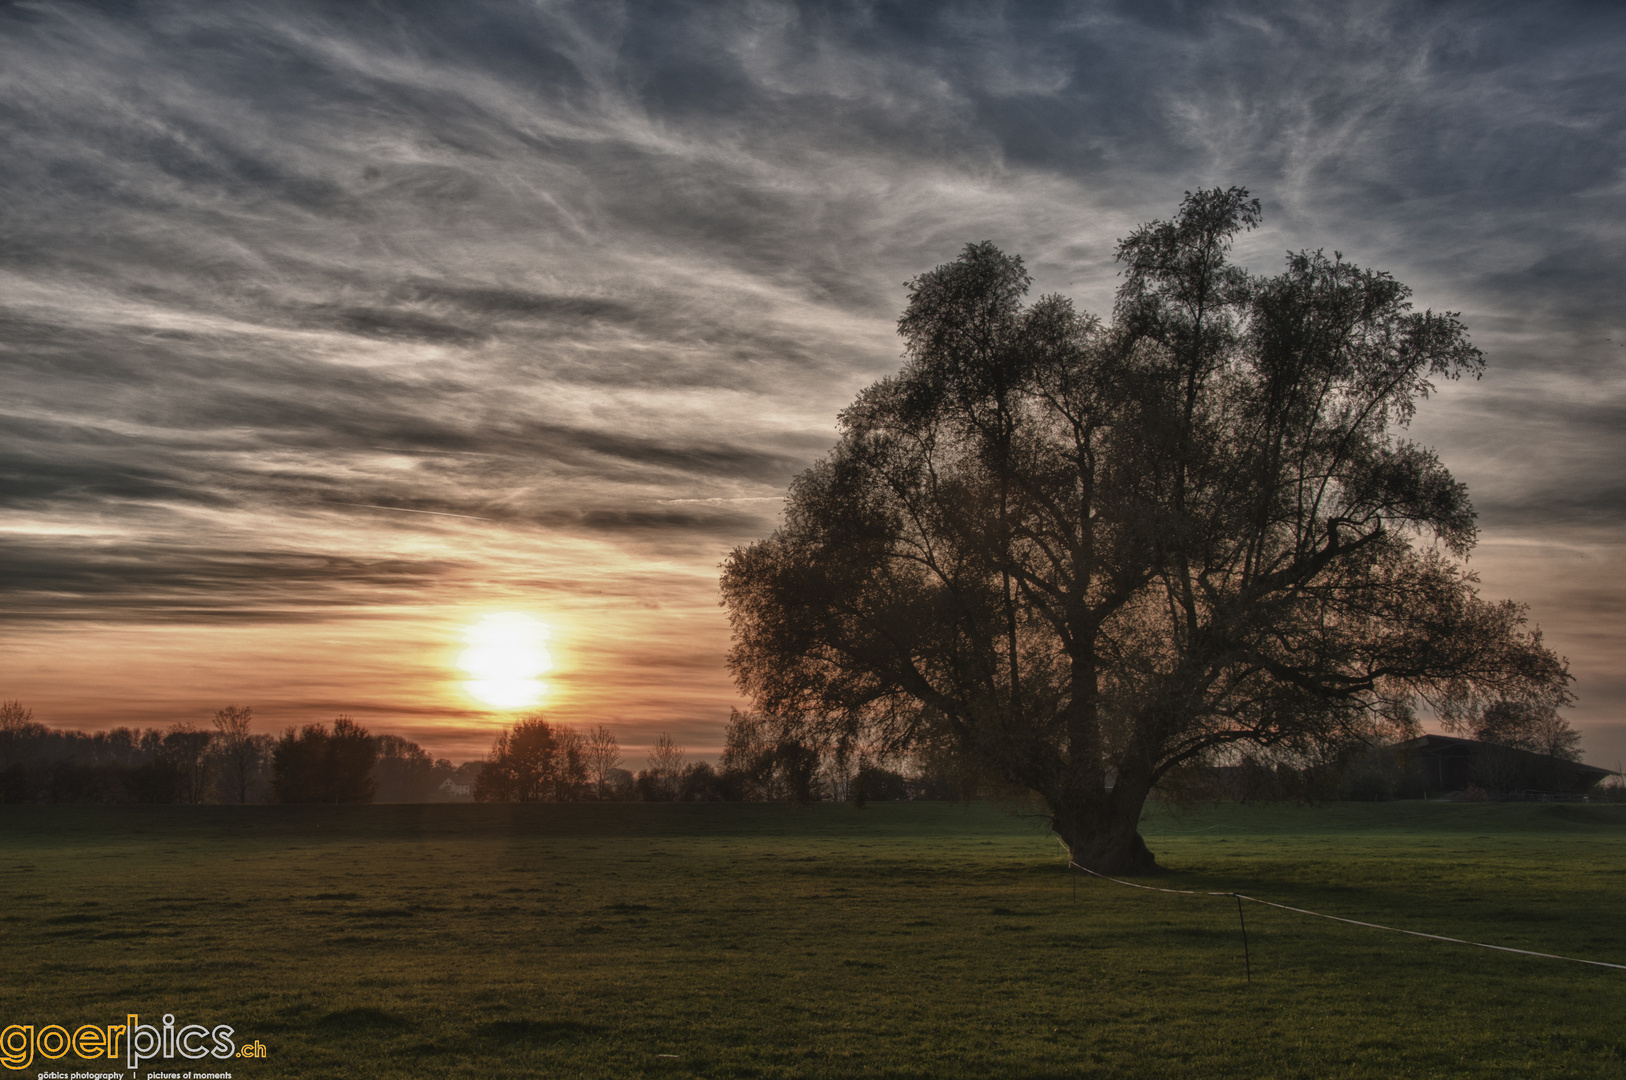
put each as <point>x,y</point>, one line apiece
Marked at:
<point>331,330</point>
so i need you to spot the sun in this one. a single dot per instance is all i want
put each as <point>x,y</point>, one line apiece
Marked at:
<point>505,660</point>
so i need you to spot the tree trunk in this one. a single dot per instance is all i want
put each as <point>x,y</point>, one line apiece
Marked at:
<point>1104,836</point>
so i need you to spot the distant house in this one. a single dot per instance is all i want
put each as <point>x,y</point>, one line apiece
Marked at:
<point>1440,763</point>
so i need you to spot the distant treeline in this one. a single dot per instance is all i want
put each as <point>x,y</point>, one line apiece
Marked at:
<point>225,763</point>
<point>342,762</point>
<point>1384,772</point>
<point>536,761</point>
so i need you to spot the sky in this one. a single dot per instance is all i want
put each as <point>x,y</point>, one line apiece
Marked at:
<point>331,331</point>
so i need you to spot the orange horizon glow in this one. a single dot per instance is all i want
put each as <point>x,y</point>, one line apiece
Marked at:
<point>640,665</point>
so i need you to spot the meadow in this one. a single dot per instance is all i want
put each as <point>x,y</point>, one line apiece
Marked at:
<point>900,940</point>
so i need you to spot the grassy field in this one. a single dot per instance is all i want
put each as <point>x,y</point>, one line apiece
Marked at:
<point>903,940</point>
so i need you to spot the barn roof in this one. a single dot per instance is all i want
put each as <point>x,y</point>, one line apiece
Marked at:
<point>1451,747</point>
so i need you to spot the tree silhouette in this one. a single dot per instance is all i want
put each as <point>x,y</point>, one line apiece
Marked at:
<point>533,762</point>
<point>404,771</point>
<point>187,749</point>
<point>768,758</point>
<point>238,752</point>
<point>665,763</point>
<point>1535,726</point>
<point>602,757</point>
<point>1083,555</point>
<point>313,765</point>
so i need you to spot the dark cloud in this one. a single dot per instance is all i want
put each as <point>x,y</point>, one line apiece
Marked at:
<point>80,580</point>
<point>1576,503</point>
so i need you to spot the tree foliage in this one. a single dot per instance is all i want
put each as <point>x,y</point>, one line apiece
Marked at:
<point>1082,554</point>
<point>405,773</point>
<point>312,764</point>
<point>16,719</point>
<point>230,763</point>
<point>237,751</point>
<point>602,757</point>
<point>186,749</point>
<point>1533,725</point>
<point>533,762</point>
<point>771,762</point>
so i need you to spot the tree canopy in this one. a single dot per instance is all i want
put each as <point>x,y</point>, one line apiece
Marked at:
<point>533,762</point>
<point>1085,554</point>
<point>1535,726</point>
<point>312,764</point>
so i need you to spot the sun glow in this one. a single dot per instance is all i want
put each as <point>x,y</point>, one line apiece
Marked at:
<point>505,659</point>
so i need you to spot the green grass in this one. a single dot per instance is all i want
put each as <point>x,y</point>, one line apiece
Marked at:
<point>912,940</point>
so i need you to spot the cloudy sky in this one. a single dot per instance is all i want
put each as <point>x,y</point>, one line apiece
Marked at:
<point>330,329</point>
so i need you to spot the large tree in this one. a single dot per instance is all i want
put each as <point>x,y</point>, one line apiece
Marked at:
<point>1085,554</point>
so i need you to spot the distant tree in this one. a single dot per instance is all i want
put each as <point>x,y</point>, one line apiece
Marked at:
<point>313,765</point>
<point>17,731</point>
<point>772,762</point>
<point>120,744</point>
<point>404,771</point>
<point>40,764</point>
<point>873,783</point>
<point>298,765</point>
<point>351,754</point>
<point>1533,725</point>
<point>665,765</point>
<point>943,772</point>
<point>749,753</point>
<point>16,718</point>
<point>666,757</point>
<point>187,748</point>
<point>239,755</point>
<point>699,782</point>
<point>797,767</point>
<point>533,762</point>
<point>602,757</point>
<point>157,780</point>
<point>1084,555</point>
<point>621,784</point>
<point>570,776</point>
<point>647,787</point>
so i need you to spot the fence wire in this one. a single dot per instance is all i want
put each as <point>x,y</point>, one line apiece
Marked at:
<point>1338,918</point>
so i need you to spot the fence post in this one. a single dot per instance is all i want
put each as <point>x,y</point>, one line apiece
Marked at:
<point>1247,962</point>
